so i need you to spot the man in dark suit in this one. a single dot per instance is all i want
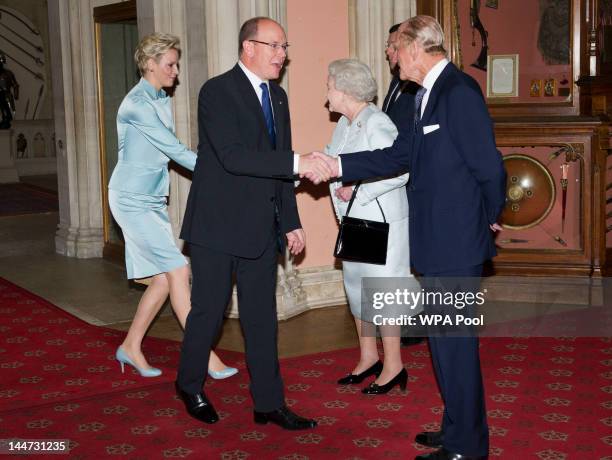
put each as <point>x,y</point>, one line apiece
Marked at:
<point>240,209</point>
<point>400,95</point>
<point>456,192</point>
<point>399,105</point>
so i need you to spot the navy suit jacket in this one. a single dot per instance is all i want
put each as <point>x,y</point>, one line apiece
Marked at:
<point>241,186</point>
<point>402,110</point>
<point>457,178</point>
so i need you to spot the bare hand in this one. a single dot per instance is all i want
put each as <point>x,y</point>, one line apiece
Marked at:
<point>314,169</point>
<point>344,193</point>
<point>332,162</point>
<point>496,227</point>
<point>296,240</point>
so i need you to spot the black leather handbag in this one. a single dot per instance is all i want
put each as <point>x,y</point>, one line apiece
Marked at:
<point>362,240</point>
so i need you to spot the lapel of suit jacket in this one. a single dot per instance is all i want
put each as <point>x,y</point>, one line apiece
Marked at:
<point>279,114</point>
<point>245,89</point>
<point>432,101</point>
<point>435,91</point>
<point>394,81</point>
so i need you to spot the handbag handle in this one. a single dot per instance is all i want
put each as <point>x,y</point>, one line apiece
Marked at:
<point>350,205</point>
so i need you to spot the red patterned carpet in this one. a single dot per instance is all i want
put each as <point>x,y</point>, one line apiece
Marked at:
<point>546,398</point>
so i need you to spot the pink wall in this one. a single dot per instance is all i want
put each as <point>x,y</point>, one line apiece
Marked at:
<point>318,33</point>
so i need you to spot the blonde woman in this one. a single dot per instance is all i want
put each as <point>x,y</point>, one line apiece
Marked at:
<point>137,194</point>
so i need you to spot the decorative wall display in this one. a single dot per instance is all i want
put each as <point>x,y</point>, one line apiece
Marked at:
<point>550,87</point>
<point>21,43</point>
<point>481,61</point>
<point>33,147</point>
<point>553,33</point>
<point>502,75</point>
<point>513,28</point>
<point>530,192</point>
<point>535,88</point>
<point>544,192</point>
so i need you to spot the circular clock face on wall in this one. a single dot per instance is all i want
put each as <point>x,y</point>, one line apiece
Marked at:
<point>22,46</point>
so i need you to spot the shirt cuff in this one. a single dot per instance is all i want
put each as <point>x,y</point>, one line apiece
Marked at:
<point>339,166</point>
<point>296,164</point>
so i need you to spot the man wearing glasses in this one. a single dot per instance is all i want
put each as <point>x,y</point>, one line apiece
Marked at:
<point>399,105</point>
<point>241,212</point>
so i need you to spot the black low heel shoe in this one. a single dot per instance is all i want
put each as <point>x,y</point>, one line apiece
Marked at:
<point>400,379</point>
<point>374,369</point>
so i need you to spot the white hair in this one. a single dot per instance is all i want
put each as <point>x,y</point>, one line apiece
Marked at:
<point>353,78</point>
<point>425,31</point>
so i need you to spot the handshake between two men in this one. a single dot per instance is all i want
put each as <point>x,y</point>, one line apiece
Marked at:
<point>318,167</point>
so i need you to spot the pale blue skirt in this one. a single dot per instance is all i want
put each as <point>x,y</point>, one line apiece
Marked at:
<point>150,247</point>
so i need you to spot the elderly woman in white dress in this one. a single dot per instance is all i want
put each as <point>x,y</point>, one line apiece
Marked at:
<point>350,90</point>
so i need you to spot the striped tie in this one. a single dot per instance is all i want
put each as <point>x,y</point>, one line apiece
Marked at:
<point>418,99</point>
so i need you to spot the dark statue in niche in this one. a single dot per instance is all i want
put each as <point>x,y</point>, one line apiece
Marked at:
<point>553,37</point>
<point>22,146</point>
<point>9,92</point>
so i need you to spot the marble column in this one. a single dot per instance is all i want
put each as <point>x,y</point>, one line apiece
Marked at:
<point>369,23</point>
<point>73,74</point>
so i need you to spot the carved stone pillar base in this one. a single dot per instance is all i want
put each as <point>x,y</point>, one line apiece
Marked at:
<point>79,243</point>
<point>8,171</point>
<point>298,291</point>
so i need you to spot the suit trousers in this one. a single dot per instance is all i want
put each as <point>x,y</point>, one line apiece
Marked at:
<point>213,273</point>
<point>456,363</point>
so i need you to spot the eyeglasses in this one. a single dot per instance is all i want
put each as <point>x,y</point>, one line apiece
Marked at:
<point>274,46</point>
<point>393,46</point>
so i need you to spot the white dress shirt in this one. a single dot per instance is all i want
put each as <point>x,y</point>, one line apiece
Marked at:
<point>256,81</point>
<point>430,80</point>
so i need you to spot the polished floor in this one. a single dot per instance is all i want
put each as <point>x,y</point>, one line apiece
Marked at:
<point>96,291</point>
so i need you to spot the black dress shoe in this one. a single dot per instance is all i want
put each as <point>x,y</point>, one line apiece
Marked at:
<point>400,379</point>
<point>430,438</point>
<point>374,369</point>
<point>443,454</point>
<point>198,406</point>
<point>408,341</point>
<point>284,418</point>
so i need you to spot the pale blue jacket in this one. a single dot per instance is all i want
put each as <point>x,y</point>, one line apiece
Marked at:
<point>145,130</point>
<point>371,129</point>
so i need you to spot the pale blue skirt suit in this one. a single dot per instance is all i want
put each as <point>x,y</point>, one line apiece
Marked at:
<point>139,185</point>
<point>372,129</point>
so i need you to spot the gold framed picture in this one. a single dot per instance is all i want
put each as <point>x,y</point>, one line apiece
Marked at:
<point>535,88</point>
<point>502,75</point>
<point>550,87</point>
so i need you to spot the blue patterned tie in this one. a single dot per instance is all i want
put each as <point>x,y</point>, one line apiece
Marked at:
<point>267,111</point>
<point>418,99</point>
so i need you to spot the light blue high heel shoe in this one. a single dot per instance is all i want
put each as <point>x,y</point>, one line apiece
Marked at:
<point>223,373</point>
<point>123,359</point>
